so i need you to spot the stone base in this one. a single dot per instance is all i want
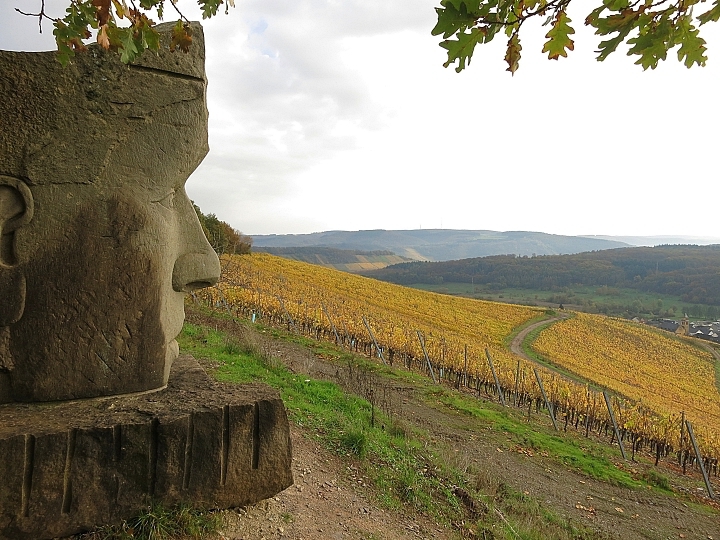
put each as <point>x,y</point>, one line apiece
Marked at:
<point>68,467</point>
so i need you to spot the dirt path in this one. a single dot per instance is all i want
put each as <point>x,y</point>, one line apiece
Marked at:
<point>330,499</point>
<point>516,344</point>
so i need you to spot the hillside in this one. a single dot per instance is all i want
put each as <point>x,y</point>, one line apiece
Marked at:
<point>688,272</point>
<point>441,244</point>
<point>346,260</point>
<point>449,338</point>
<point>464,466</point>
<point>575,470</point>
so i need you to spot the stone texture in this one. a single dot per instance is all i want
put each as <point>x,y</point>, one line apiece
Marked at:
<point>70,466</point>
<point>98,246</point>
<point>98,241</point>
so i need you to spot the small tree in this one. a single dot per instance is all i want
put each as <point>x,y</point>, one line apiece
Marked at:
<point>222,237</point>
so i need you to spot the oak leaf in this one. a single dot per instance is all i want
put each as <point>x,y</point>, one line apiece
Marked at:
<point>559,41</point>
<point>102,37</point>
<point>181,37</point>
<point>512,56</point>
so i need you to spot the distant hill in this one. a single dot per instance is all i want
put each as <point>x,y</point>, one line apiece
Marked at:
<point>441,244</point>
<point>689,272</point>
<point>650,241</point>
<point>341,259</point>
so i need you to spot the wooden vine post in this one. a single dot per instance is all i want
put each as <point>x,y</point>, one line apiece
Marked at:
<point>332,324</point>
<point>614,423</point>
<point>497,381</point>
<point>427,358</point>
<point>465,373</point>
<point>699,459</point>
<point>548,405</point>
<point>287,313</point>
<point>372,336</point>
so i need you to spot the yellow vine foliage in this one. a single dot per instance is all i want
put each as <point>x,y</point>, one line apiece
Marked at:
<point>319,296</point>
<point>661,376</point>
<point>668,374</point>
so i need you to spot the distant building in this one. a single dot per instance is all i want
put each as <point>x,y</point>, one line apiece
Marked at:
<point>668,325</point>
<point>684,328</point>
<point>707,330</point>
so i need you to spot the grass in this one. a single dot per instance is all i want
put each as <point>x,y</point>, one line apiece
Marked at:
<point>342,422</point>
<point>182,522</point>
<point>404,466</point>
<point>583,455</point>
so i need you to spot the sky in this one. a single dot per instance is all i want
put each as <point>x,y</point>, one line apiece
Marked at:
<point>338,115</point>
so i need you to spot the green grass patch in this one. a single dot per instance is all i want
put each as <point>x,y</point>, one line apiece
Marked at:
<point>342,422</point>
<point>404,466</point>
<point>582,455</point>
<point>159,523</point>
<point>657,479</point>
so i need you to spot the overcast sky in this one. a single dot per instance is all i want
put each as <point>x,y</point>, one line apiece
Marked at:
<point>338,114</point>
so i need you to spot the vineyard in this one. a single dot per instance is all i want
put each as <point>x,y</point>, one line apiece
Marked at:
<point>666,373</point>
<point>656,380</point>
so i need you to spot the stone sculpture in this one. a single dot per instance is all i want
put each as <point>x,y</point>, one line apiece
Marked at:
<point>98,246</point>
<point>99,240</point>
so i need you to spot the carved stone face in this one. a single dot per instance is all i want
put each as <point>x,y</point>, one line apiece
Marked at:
<point>96,276</point>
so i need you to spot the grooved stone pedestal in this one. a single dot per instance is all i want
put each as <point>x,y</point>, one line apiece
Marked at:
<point>66,467</point>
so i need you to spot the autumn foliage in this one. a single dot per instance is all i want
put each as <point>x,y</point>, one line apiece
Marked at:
<point>654,378</point>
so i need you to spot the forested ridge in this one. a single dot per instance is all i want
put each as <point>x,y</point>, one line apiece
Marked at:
<point>690,272</point>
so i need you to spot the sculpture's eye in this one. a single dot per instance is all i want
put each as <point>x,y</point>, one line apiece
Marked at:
<point>168,201</point>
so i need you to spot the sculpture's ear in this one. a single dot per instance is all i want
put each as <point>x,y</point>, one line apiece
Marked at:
<point>16,210</point>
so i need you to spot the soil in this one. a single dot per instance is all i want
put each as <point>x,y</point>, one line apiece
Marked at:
<point>331,499</point>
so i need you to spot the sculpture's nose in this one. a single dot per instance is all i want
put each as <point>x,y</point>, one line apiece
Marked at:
<point>195,271</point>
<point>198,265</point>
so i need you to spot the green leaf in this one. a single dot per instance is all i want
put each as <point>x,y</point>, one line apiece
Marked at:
<point>652,44</point>
<point>594,16</point>
<point>209,7</point>
<point>73,28</point>
<point>151,38</point>
<point>713,14</point>
<point>452,21</point>
<point>512,55</point>
<point>609,46</point>
<point>616,5</point>
<point>461,49</point>
<point>469,5</point>
<point>129,49</point>
<point>559,41</point>
<point>692,46</point>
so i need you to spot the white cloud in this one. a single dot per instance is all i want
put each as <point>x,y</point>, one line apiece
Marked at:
<point>330,114</point>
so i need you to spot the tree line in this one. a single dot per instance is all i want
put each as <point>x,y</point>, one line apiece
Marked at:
<point>222,237</point>
<point>689,272</point>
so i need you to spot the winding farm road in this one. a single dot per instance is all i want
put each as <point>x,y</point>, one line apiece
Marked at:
<point>516,345</point>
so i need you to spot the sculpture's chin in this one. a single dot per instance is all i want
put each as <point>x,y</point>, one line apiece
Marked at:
<point>171,353</point>
<point>173,350</point>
